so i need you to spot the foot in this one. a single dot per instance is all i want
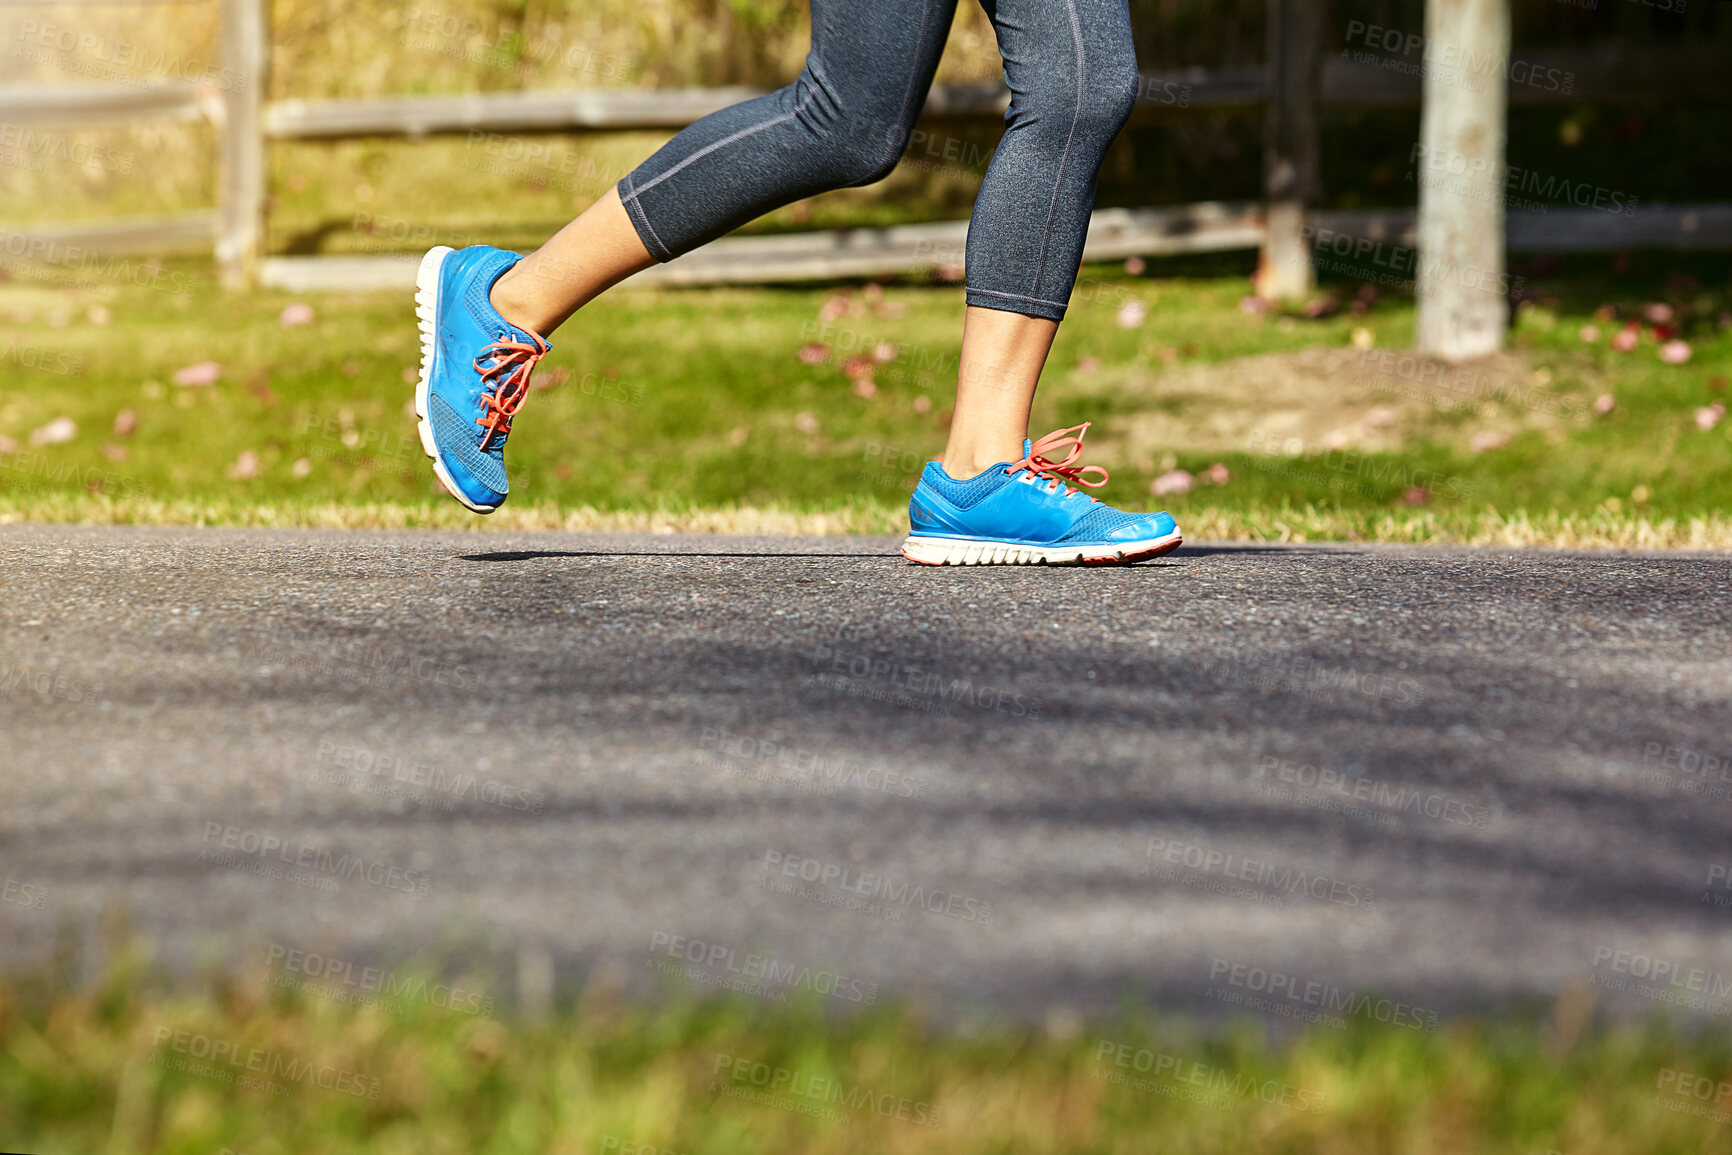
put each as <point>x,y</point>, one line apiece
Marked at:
<point>1024,513</point>
<point>475,368</point>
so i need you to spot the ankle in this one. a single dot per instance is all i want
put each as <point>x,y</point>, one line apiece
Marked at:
<point>965,468</point>
<point>506,301</point>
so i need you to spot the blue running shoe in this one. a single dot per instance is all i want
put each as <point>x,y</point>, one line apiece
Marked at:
<point>475,368</point>
<point>1024,513</point>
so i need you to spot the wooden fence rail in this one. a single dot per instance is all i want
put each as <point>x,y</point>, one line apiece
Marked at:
<point>246,123</point>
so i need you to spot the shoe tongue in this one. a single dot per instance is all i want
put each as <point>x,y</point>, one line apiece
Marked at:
<point>1027,448</point>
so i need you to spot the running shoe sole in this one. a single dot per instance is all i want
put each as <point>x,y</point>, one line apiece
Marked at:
<point>426,314</point>
<point>960,551</point>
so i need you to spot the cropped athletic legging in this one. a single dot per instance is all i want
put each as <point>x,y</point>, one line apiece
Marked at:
<point>845,120</point>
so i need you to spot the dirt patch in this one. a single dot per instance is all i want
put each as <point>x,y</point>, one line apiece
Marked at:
<point>1319,399</point>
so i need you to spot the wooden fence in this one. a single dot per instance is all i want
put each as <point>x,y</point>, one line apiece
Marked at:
<point>247,123</point>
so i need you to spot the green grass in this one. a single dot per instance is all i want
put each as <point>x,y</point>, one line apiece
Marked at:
<point>682,401</point>
<point>127,1066</point>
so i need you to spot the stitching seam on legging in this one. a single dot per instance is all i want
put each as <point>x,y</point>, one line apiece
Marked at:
<point>1019,297</point>
<point>726,140</point>
<point>638,212</point>
<point>1064,159</point>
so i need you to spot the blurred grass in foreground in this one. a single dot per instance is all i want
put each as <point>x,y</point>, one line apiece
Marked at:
<point>813,408</point>
<point>126,1067</point>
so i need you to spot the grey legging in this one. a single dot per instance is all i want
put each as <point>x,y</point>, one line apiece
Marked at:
<point>846,118</point>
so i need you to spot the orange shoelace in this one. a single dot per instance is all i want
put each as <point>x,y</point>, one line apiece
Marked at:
<point>511,363</point>
<point>1040,461</point>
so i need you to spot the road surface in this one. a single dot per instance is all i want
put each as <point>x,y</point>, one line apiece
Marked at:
<point>1282,781</point>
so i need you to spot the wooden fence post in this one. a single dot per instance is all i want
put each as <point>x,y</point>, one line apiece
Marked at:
<point>1293,83</point>
<point>1460,289</point>
<point>241,197</point>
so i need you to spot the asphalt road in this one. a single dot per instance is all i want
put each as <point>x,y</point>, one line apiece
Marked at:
<point>1238,780</point>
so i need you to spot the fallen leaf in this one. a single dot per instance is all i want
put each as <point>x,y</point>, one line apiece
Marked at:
<point>56,432</point>
<point>125,423</point>
<point>1171,482</point>
<point>1675,352</point>
<point>246,466</point>
<point>1487,439</point>
<point>199,375</point>
<point>814,354</point>
<point>299,313</point>
<point>1709,416</point>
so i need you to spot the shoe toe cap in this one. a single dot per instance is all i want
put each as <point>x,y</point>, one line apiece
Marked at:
<point>1145,528</point>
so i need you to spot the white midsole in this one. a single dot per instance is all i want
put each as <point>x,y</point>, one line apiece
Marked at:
<point>952,551</point>
<point>426,315</point>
